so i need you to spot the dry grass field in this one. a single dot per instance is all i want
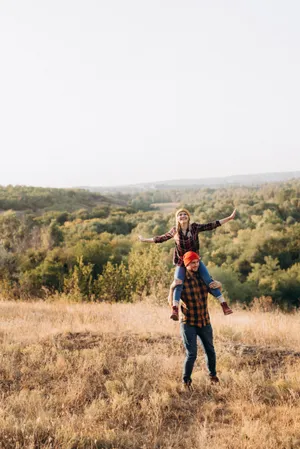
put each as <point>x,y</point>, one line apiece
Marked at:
<point>78,376</point>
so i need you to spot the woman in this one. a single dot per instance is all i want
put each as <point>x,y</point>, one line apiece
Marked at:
<point>186,239</point>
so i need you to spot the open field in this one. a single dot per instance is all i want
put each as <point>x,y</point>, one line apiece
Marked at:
<point>107,376</point>
<point>166,208</point>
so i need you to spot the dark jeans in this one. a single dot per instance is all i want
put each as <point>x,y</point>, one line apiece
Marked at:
<point>189,336</point>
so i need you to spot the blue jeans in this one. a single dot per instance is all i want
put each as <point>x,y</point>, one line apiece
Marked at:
<point>205,276</point>
<point>189,337</point>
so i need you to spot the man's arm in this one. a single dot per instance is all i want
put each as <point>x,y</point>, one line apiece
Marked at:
<point>172,286</point>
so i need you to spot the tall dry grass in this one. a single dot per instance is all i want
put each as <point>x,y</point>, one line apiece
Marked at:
<point>107,376</point>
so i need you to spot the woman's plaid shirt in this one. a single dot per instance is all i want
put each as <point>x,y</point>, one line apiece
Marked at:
<point>194,309</point>
<point>186,242</point>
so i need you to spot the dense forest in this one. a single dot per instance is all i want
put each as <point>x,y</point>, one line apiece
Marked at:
<point>84,245</point>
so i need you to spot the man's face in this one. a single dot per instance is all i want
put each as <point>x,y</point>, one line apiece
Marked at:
<point>193,266</point>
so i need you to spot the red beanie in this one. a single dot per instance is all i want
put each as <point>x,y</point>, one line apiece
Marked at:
<point>189,257</point>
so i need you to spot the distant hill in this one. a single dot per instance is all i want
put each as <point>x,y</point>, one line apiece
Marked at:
<point>236,180</point>
<point>20,198</point>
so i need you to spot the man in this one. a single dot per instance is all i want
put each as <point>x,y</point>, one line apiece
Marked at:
<point>195,319</point>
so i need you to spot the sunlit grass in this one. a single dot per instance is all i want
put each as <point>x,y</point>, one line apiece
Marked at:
<point>108,376</point>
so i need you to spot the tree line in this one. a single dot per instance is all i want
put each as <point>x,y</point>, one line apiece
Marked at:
<point>84,245</point>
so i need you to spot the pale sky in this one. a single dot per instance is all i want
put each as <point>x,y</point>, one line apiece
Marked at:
<point>111,92</point>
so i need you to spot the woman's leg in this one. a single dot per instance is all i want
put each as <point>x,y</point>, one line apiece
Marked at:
<point>179,275</point>
<point>207,279</point>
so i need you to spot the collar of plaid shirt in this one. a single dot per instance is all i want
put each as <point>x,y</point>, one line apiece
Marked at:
<point>194,309</point>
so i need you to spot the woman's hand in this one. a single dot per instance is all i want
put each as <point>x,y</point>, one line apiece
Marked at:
<point>232,216</point>
<point>142,239</point>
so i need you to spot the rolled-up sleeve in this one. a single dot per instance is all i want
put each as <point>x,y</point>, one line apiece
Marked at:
<point>164,237</point>
<point>199,227</point>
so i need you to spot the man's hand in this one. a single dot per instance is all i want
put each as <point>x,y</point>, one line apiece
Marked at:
<point>172,286</point>
<point>215,284</point>
<point>175,282</point>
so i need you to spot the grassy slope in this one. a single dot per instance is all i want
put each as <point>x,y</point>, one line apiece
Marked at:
<point>108,376</point>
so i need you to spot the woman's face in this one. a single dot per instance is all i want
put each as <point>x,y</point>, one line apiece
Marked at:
<point>182,217</point>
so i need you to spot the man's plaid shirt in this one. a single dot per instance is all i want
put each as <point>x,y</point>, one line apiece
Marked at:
<point>186,242</point>
<point>194,301</point>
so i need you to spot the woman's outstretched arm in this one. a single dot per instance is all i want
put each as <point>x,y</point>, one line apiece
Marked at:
<point>200,227</point>
<point>159,238</point>
<point>231,217</point>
